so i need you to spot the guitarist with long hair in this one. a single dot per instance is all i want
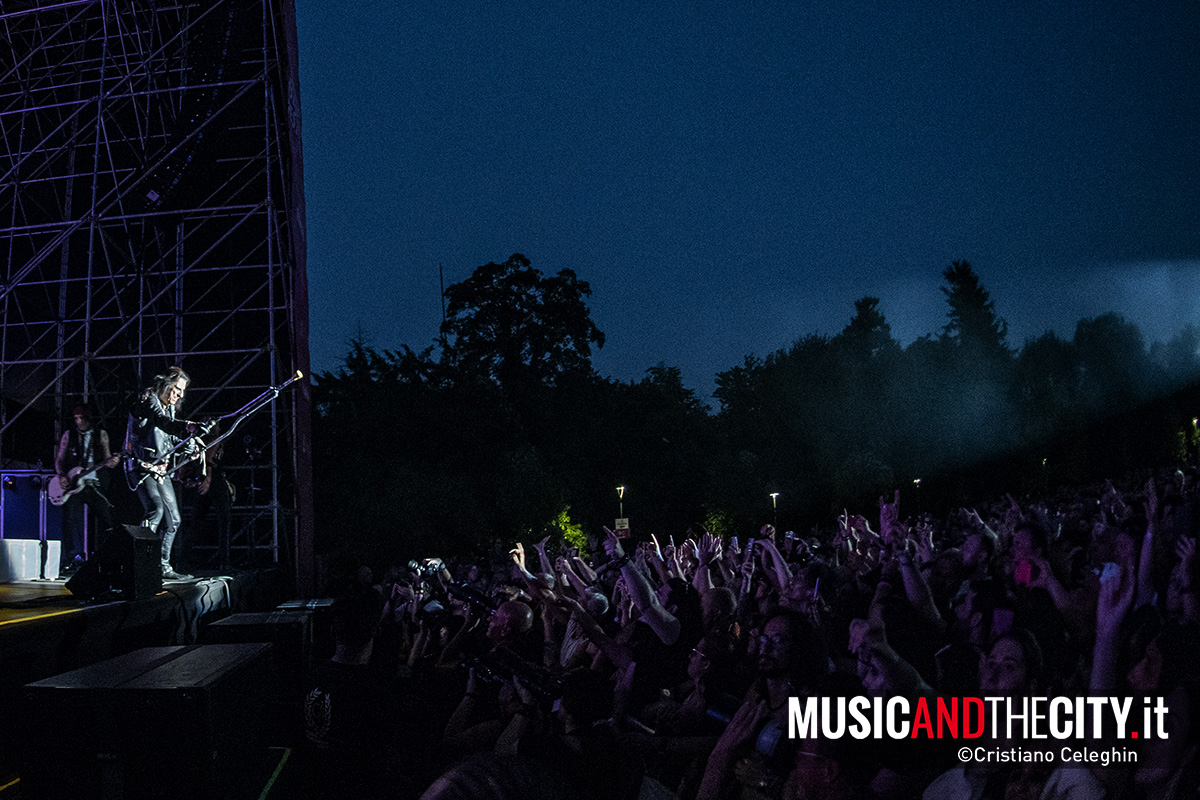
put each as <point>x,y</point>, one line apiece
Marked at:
<point>82,452</point>
<point>153,439</point>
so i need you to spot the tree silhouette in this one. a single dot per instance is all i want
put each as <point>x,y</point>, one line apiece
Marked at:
<point>973,324</point>
<point>867,334</point>
<point>511,324</point>
<point>494,432</point>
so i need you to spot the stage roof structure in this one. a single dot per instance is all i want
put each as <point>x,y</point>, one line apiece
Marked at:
<point>152,213</point>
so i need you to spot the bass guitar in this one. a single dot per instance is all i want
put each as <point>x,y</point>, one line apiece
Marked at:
<point>77,479</point>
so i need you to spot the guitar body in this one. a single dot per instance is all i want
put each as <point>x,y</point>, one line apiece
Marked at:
<point>76,477</point>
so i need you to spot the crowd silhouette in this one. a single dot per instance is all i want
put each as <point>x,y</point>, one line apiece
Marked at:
<point>664,667</point>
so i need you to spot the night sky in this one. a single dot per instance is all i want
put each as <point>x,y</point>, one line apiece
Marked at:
<point>731,176</point>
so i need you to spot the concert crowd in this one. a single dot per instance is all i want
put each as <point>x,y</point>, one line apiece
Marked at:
<point>663,668</point>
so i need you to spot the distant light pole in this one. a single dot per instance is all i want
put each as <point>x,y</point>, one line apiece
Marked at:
<point>917,483</point>
<point>620,501</point>
<point>775,508</point>
<point>1196,437</point>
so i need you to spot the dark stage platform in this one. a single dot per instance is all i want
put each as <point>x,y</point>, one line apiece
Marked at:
<point>46,631</point>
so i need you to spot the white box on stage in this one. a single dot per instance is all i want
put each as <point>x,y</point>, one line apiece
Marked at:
<point>21,559</point>
<point>26,543</point>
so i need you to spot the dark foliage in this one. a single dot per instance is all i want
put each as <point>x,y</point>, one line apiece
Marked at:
<point>490,435</point>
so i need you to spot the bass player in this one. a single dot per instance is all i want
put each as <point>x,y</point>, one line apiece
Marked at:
<point>82,452</point>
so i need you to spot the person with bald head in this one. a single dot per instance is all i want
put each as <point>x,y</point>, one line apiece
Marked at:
<point>510,623</point>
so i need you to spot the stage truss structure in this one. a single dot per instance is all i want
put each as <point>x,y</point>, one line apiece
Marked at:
<point>152,213</point>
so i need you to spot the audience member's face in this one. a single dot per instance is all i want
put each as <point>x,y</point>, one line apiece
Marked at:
<point>500,625</point>
<point>1022,546</point>
<point>797,595</point>
<point>776,649</point>
<point>944,577</point>
<point>713,607</point>
<point>873,679</point>
<point>974,552</point>
<point>1004,672</point>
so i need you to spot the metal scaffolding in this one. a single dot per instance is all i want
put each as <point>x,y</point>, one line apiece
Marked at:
<point>152,213</point>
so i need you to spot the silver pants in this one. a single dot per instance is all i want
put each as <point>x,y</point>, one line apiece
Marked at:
<point>162,512</point>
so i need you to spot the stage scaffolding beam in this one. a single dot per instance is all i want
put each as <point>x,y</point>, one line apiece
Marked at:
<point>152,213</point>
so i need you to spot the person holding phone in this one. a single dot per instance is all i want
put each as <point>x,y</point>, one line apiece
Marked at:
<point>1030,567</point>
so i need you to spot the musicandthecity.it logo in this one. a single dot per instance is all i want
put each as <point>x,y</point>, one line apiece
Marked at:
<point>1028,719</point>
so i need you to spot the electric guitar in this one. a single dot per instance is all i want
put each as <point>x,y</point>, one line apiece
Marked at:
<point>76,480</point>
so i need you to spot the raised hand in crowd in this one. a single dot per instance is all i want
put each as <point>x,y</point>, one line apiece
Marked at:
<point>883,671</point>
<point>1013,515</point>
<point>543,559</point>
<point>583,569</point>
<point>739,733</point>
<point>747,571</point>
<point>774,564</point>
<point>891,530</point>
<point>1117,587</point>
<point>1185,551</point>
<point>664,624</point>
<point>518,556</point>
<point>923,539</point>
<point>708,552</point>
<point>688,554</point>
<point>653,554</point>
<point>1145,583</point>
<point>1113,502</point>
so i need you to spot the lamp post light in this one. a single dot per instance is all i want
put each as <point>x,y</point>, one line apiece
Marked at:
<point>775,509</point>
<point>1196,437</point>
<point>620,501</point>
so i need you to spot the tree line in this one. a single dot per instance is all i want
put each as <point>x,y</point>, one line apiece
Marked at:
<point>503,430</point>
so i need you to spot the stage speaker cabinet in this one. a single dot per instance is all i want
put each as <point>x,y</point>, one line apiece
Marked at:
<point>128,561</point>
<point>161,722</point>
<point>289,633</point>
<point>321,610</point>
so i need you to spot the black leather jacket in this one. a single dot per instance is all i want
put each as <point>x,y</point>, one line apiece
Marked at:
<point>153,430</point>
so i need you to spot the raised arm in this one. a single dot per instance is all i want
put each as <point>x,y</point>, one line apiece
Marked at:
<point>917,590</point>
<point>1145,585</point>
<point>543,559</point>
<point>664,624</point>
<point>707,552</point>
<point>1112,604</point>
<point>576,583</point>
<point>584,571</point>
<point>619,654</point>
<point>779,571</point>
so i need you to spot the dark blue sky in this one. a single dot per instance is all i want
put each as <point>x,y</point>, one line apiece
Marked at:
<point>730,176</point>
